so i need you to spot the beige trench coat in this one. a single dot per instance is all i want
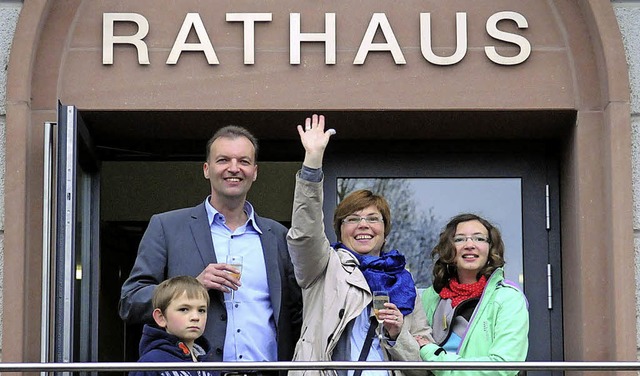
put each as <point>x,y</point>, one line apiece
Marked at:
<point>334,290</point>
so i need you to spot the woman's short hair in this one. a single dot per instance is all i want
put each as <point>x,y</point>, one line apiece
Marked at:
<point>357,201</point>
<point>173,288</point>
<point>444,253</point>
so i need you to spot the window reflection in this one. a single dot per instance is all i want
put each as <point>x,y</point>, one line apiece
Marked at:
<point>420,207</point>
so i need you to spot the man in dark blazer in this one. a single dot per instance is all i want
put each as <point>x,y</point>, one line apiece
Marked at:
<point>194,241</point>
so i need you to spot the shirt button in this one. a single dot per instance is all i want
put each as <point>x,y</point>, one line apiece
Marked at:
<point>238,330</point>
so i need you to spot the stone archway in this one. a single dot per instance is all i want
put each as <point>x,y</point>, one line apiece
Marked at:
<point>596,171</point>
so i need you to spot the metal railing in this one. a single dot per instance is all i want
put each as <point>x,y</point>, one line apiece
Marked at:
<point>330,365</point>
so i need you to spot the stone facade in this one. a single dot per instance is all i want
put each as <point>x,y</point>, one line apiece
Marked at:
<point>9,12</point>
<point>628,15</point>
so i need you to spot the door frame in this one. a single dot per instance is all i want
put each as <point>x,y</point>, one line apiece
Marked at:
<point>534,162</point>
<point>76,218</point>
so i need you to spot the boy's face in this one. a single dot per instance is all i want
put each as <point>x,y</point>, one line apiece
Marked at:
<point>185,318</point>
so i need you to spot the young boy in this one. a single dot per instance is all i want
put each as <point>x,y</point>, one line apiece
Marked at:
<point>180,311</point>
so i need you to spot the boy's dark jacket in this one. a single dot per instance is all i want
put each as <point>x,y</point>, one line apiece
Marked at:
<point>156,345</point>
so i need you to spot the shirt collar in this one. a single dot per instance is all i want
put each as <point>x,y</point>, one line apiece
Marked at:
<point>248,208</point>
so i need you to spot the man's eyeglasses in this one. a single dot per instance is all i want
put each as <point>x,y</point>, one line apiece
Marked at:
<point>355,219</point>
<point>459,239</point>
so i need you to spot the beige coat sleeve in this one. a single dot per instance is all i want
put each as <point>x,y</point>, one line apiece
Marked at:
<point>308,245</point>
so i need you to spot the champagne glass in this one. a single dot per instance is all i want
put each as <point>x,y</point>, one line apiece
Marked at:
<point>236,262</point>
<point>379,298</point>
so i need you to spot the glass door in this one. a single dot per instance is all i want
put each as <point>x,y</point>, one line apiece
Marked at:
<point>421,207</point>
<point>74,241</point>
<point>515,186</point>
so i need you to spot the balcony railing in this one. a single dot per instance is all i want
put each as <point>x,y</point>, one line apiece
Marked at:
<point>331,365</point>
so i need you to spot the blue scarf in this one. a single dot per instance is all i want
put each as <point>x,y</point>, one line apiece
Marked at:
<point>388,273</point>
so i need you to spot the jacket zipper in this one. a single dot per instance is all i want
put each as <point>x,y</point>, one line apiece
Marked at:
<point>473,316</point>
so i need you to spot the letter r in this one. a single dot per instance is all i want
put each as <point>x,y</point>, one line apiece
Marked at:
<point>108,39</point>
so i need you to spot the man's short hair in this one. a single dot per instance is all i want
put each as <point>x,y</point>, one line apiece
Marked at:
<point>233,132</point>
<point>173,288</point>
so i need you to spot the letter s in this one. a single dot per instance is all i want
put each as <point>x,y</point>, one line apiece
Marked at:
<point>519,40</point>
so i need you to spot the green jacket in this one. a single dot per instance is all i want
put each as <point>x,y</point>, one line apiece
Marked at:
<point>497,331</point>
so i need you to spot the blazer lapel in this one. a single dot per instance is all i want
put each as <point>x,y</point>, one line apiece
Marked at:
<point>202,234</point>
<point>271,257</point>
<point>201,231</point>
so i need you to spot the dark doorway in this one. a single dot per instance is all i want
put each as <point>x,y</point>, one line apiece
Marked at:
<point>134,148</point>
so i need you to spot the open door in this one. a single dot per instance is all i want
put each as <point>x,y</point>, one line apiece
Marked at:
<point>514,185</point>
<point>71,241</point>
<point>145,164</point>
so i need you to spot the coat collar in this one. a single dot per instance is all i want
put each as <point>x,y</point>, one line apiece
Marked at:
<point>350,264</point>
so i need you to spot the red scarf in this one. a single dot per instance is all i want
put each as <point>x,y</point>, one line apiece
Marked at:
<point>459,292</point>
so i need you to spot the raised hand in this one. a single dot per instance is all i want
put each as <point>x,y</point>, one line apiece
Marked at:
<point>314,139</point>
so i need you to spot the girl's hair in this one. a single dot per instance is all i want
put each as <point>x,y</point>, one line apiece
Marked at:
<point>173,288</point>
<point>444,253</point>
<point>357,201</point>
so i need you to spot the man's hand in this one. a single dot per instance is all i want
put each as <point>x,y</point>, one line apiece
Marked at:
<point>219,277</point>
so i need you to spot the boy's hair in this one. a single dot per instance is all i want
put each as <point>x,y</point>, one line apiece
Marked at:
<point>172,288</point>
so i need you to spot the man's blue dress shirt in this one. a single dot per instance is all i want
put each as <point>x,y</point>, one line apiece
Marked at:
<point>251,329</point>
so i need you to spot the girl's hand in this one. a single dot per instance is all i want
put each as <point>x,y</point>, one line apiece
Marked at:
<point>422,340</point>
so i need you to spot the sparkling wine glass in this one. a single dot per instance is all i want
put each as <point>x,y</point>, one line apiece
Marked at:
<point>379,298</point>
<point>235,262</point>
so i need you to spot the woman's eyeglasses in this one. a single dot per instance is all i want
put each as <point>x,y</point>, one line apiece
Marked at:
<point>459,239</point>
<point>355,219</point>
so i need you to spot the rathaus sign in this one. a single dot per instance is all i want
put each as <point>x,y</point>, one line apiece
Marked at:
<point>253,22</point>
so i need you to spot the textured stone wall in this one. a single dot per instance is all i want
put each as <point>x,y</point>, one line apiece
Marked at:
<point>628,14</point>
<point>9,12</point>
